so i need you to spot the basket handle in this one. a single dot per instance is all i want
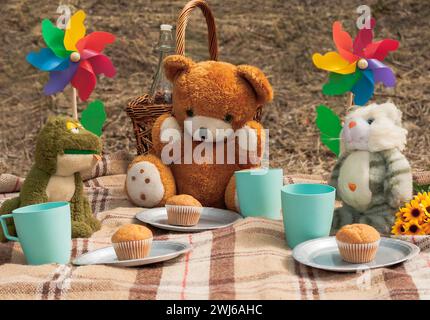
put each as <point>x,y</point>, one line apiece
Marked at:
<point>182,25</point>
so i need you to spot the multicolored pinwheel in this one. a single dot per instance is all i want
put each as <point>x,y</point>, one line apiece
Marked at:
<point>357,66</point>
<point>72,57</point>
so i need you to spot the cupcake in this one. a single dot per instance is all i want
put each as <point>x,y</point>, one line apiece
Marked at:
<point>132,241</point>
<point>358,243</point>
<point>183,210</point>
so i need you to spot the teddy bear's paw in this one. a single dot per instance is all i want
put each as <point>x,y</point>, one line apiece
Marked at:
<point>149,182</point>
<point>248,139</point>
<point>144,185</point>
<point>231,199</point>
<point>248,143</point>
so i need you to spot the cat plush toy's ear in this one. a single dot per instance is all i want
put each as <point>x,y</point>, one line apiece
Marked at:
<point>258,81</point>
<point>175,65</point>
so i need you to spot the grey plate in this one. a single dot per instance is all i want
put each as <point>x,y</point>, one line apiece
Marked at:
<point>211,218</point>
<point>323,254</point>
<point>160,251</point>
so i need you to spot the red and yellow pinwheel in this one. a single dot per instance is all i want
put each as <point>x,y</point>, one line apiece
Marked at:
<point>73,57</point>
<point>357,66</point>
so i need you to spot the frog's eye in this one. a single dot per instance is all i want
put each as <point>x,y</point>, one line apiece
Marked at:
<point>73,127</point>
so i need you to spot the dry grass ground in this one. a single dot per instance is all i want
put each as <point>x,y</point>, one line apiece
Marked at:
<point>277,36</point>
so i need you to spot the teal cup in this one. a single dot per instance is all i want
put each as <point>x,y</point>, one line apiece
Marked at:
<point>259,192</point>
<point>44,232</point>
<point>307,211</point>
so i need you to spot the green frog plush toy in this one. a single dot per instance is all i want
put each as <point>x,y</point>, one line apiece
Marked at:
<point>63,150</point>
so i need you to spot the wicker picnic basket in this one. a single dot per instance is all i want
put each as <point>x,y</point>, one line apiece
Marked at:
<point>142,110</point>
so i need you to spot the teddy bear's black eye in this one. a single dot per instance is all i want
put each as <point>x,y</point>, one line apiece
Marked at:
<point>228,118</point>
<point>370,121</point>
<point>190,112</point>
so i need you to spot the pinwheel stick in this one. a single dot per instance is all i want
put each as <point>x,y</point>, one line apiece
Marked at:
<point>350,100</point>
<point>74,104</point>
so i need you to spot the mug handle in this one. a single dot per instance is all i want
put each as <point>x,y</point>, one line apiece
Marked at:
<point>5,229</point>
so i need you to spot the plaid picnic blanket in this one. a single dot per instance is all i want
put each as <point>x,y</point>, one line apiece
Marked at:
<point>248,260</point>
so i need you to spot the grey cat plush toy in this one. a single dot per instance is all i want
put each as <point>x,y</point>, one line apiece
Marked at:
<point>372,176</point>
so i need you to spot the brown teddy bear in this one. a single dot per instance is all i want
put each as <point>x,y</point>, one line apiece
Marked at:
<point>207,96</point>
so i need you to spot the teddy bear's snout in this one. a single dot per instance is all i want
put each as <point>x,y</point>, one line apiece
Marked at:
<point>206,134</point>
<point>208,129</point>
<point>203,133</point>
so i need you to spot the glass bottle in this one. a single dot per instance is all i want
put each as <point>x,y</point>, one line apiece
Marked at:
<point>161,88</point>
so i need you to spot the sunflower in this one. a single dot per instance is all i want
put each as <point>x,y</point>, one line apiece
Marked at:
<point>399,228</point>
<point>400,216</point>
<point>420,197</point>
<point>426,227</point>
<point>414,229</point>
<point>425,204</point>
<point>413,211</point>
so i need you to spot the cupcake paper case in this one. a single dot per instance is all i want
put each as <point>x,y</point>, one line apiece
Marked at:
<point>183,215</point>
<point>132,241</point>
<point>358,243</point>
<point>131,250</point>
<point>183,210</point>
<point>358,253</point>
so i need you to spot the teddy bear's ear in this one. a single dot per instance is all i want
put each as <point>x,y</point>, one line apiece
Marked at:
<point>175,64</point>
<point>258,81</point>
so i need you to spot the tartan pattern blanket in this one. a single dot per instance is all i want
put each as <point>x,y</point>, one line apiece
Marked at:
<point>248,260</point>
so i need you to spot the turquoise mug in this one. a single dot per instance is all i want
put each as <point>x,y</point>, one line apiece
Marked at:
<point>308,211</point>
<point>44,232</point>
<point>258,192</point>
